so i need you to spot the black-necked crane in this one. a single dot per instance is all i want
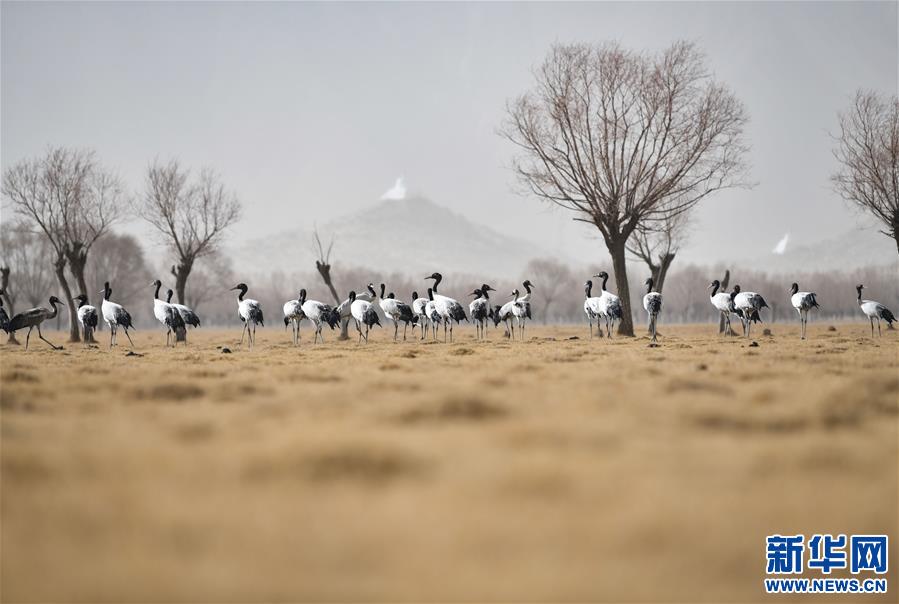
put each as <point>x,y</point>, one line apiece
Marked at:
<point>396,311</point>
<point>521,311</point>
<point>750,305</point>
<point>364,314</point>
<point>803,302</point>
<point>87,316</point>
<point>115,316</point>
<point>418,307</point>
<point>609,305</point>
<point>510,312</point>
<point>187,314</point>
<point>724,303</point>
<point>293,314</point>
<point>320,314</point>
<point>433,316</point>
<point>874,311</point>
<point>526,299</point>
<point>449,309</point>
<point>166,314</point>
<point>591,307</point>
<point>33,318</point>
<point>344,310</point>
<point>652,303</point>
<point>249,311</point>
<point>479,309</point>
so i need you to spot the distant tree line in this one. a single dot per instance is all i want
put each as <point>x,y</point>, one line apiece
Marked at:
<point>66,203</point>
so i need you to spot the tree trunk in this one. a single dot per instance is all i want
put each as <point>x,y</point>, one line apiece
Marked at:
<point>721,323</point>
<point>324,269</point>
<point>665,261</point>
<point>619,267</point>
<point>181,273</point>
<point>4,284</point>
<point>60,265</point>
<point>77,263</point>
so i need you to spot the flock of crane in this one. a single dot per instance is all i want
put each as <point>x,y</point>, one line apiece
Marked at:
<point>425,313</point>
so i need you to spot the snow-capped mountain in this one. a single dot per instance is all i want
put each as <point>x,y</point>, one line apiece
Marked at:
<point>408,235</point>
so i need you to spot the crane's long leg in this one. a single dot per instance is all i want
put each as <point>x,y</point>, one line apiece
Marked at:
<point>41,336</point>
<point>396,331</point>
<point>28,335</point>
<point>242,332</point>
<point>127,335</point>
<point>879,334</point>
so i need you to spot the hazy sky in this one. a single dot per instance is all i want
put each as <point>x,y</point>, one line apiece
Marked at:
<point>313,110</point>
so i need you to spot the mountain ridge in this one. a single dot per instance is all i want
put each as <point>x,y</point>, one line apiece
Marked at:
<point>409,235</point>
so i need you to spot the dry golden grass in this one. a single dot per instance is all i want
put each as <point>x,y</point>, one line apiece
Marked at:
<point>553,469</point>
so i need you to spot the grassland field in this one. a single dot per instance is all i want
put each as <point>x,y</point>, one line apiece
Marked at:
<point>553,469</point>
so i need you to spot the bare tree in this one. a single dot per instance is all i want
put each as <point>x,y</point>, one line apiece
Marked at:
<point>553,277</point>
<point>208,276</point>
<point>73,201</point>
<point>192,218</point>
<point>868,152</point>
<point>622,138</point>
<point>323,266</point>
<point>119,259</point>
<point>657,243</point>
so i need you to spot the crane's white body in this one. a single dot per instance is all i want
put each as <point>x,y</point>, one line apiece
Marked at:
<point>750,305</point>
<point>249,312</point>
<point>418,307</point>
<point>87,316</point>
<point>652,304</point>
<point>314,311</point>
<point>875,311</point>
<point>723,303</point>
<point>591,307</point>
<point>479,309</point>
<point>803,302</point>
<point>395,310</point>
<point>293,314</point>
<point>115,315</point>
<point>448,308</point>
<point>166,314</point>
<point>608,306</point>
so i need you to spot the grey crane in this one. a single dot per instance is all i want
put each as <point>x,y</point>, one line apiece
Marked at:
<point>33,318</point>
